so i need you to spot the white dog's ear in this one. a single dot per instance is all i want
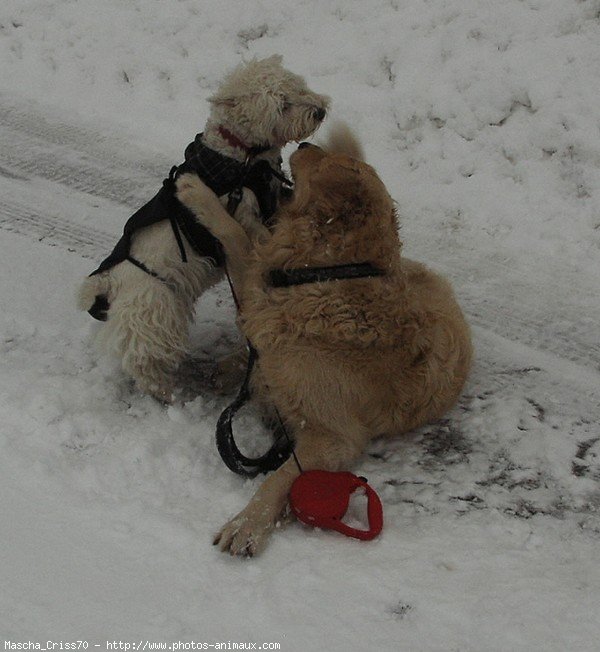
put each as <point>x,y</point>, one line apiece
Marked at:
<point>222,101</point>
<point>274,59</point>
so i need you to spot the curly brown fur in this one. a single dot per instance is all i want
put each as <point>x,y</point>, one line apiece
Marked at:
<point>342,361</point>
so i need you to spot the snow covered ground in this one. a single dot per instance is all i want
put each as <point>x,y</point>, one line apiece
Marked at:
<point>482,119</point>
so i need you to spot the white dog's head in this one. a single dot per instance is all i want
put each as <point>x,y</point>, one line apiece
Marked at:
<point>262,103</point>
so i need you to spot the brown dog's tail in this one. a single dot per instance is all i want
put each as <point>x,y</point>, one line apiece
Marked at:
<point>341,140</point>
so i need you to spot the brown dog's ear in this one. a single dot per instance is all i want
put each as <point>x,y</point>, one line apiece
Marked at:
<point>347,190</point>
<point>338,176</point>
<point>342,140</point>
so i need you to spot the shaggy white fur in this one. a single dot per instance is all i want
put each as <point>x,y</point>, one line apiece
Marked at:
<point>260,103</point>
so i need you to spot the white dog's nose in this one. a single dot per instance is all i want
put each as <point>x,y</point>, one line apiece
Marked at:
<point>320,114</point>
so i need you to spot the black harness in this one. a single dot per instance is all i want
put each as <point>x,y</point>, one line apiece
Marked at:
<point>224,176</point>
<point>283,446</point>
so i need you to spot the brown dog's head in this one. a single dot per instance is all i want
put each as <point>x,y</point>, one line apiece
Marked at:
<point>341,187</point>
<point>345,203</point>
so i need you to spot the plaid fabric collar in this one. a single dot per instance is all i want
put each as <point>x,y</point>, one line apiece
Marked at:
<point>233,140</point>
<point>222,174</point>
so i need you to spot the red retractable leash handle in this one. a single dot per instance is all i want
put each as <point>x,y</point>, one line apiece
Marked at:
<point>321,499</point>
<point>374,514</point>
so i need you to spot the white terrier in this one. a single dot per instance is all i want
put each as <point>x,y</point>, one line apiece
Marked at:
<point>146,289</point>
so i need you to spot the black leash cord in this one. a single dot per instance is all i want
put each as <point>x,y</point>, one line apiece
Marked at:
<point>234,459</point>
<point>228,450</point>
<point>178,238</point>
<point>140,265</point>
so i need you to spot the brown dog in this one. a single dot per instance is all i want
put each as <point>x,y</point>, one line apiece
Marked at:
<point>343,361</point>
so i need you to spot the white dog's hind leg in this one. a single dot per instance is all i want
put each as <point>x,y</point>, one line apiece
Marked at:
<point>91,287</point>
<point>149,330</point>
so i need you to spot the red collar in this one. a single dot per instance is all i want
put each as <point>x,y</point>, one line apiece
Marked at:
<point>233,140</point>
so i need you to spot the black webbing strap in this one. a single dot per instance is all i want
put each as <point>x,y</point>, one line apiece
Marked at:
<point>178,238</point>
<point>139,264</point>
<point>283,278</point>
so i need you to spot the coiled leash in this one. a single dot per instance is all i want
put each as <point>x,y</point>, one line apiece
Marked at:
<point>317,498</point>
<point>235,460</point>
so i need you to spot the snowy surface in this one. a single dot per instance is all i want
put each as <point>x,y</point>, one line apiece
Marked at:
<point>483,120</point>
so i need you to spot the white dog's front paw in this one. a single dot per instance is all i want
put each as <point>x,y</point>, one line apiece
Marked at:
<point>247,534</point>
<point>191,190</point>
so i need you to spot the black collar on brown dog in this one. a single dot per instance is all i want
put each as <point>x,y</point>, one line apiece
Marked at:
<point>283,278</point>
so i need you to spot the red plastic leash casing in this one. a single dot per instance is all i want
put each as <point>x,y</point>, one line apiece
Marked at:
<point>321,499</point>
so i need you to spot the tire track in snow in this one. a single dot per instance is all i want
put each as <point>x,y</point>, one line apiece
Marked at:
<point>55,231</point>
<point>88,141</point>
<point>90,162</point>
<point>558,316</point>
<point>35,147</point>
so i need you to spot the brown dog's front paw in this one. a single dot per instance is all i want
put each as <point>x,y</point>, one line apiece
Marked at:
<point>245,535</point>
<point>238,539</point>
